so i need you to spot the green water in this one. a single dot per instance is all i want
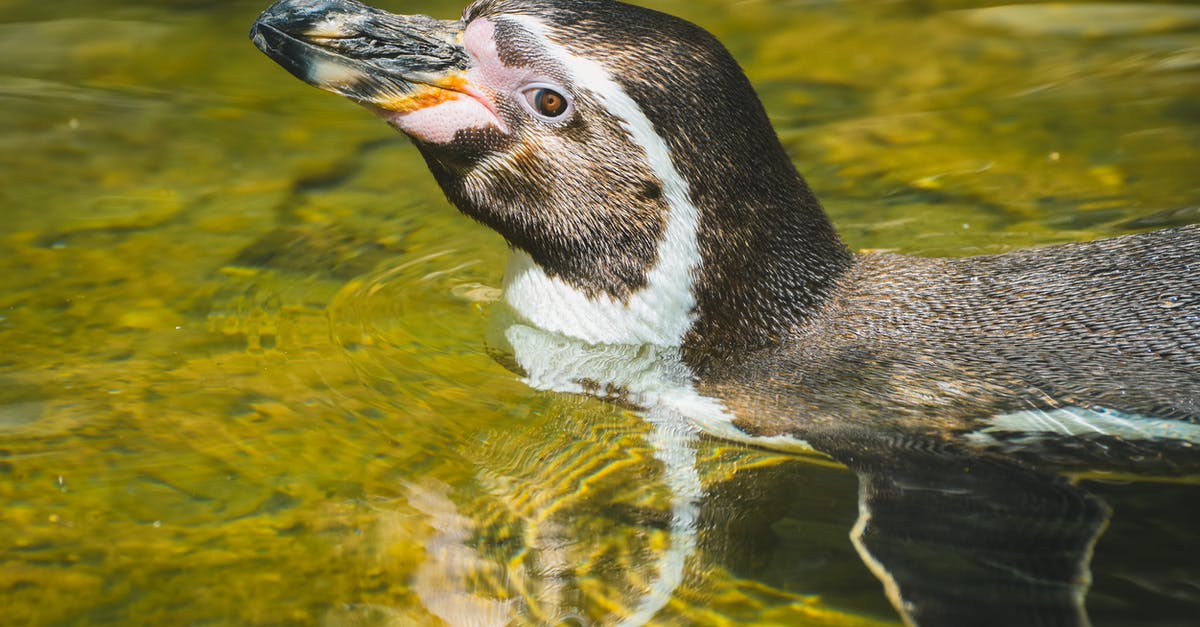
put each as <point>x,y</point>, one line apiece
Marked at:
<point>244,379</point>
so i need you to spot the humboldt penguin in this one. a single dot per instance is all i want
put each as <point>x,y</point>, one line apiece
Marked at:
<point>650,208</point>
<point>627,161</point>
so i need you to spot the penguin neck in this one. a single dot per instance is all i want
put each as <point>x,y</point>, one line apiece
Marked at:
<point>726,279</point>
<point>769,262</point>
<point>769,256</point>
<point>659,310</point>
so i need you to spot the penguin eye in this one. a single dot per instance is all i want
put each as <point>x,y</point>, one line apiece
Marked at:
<point>546,102</point>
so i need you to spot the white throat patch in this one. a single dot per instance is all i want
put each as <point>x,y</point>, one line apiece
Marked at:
<point>662,311</point>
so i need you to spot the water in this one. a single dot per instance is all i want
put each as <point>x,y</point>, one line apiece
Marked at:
<point>245,378</point>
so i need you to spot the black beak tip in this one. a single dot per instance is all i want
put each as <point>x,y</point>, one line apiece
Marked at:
<point>264,37</point>
<point>292,17</point>
<point>276,15</point>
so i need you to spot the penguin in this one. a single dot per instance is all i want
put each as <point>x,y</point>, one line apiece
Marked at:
<point>628,163</point>
<point>654,217</point>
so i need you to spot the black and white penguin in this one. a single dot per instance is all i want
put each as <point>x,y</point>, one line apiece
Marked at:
<point>651,208</point>
<point>627,161</point>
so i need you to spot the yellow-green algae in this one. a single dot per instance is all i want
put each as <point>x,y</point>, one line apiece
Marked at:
<point>244,380</point>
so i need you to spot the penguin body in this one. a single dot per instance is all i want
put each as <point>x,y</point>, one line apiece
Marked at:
<point>626,160</point>
<point>956,342</point>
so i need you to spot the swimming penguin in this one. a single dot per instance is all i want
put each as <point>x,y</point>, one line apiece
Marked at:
<point>654,217</point>
<point>627,161</point>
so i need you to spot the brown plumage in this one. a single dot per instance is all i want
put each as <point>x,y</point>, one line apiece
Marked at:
<point>1108,324</point>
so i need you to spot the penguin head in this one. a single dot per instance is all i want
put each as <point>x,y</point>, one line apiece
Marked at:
<point>605,141</point>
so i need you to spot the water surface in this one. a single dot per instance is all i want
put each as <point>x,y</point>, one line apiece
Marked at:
<point>244,376</point>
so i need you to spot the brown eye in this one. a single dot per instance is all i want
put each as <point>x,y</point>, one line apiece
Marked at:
<point>546,102</point>
<point>549,103</point>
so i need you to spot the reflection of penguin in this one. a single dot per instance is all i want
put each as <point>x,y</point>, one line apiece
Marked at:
<point>956,539</point>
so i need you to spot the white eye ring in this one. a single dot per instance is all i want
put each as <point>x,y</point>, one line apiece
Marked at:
<point>548,103</point>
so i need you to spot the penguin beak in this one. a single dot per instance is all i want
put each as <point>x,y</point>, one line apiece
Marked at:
<point>394,64</point>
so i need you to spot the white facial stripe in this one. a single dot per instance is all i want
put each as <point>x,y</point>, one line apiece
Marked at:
<point>661,312</point>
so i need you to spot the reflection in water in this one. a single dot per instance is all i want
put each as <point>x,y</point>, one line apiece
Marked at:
<point>961,538</point>
<point>958,532</point>
<point>450,563</point>
<point>582,513</point>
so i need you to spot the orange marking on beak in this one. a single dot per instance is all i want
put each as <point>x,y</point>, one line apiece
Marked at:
<point>426,96</point>
<point>449,88</point>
